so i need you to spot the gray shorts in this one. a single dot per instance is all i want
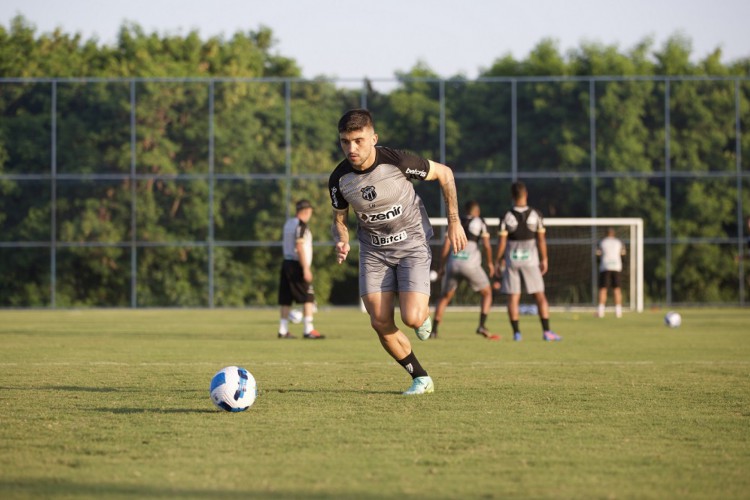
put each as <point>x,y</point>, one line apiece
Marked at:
<point>395,270</point>
<point>532,278</point>
<point>458,270</point>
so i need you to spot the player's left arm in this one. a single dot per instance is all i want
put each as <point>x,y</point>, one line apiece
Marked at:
<point>541,243</point>
<point>306,266</point>
<point>444,175</point>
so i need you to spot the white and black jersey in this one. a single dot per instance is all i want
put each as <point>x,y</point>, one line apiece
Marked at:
<point>295,230</point>
<point>521,225</point>
<point>390,213</point>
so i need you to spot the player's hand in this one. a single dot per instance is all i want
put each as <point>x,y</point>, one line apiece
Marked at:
<point>307,275</point>
<point>491,269</point>
<point>543,265</point>
<point>498,270</point>
<point>456,236</point>
<point>342,250</point>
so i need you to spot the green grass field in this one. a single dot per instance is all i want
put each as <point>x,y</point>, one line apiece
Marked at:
<point>114,404</point>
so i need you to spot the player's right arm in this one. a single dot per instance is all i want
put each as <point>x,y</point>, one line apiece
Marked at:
<point>340,233</point>
<point>488,253</point>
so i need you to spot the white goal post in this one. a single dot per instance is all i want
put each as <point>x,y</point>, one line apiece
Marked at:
<point>571,244</point>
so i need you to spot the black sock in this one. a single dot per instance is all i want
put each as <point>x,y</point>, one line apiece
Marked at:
<point>545,324</point>
<point>482,319</point>
<point>514,324</point>
<point>435,324</point>
<point>411,365</point>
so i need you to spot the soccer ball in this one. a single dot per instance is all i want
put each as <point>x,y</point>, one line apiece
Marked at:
<point>434,276</point>
<point>233,389</point>
<point>295,316</point>
<point>673,319</point>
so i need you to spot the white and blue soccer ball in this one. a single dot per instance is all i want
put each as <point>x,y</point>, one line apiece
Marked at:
<point>233,389</point>
<point>673,319</point>
<point>295,316</point>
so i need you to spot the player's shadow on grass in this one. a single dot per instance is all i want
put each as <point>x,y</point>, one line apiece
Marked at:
<point>172,411</point>
<point>329,390</point>
<point>50,488</point>
<point>77,388</point>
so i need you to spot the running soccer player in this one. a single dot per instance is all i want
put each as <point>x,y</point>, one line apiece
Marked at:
<point>393,232</point>
<point>523,245</point>
<point>467,265</point>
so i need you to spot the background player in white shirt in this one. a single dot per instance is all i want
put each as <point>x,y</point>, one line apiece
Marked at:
<point>610,251</point>
<point>295,280</point>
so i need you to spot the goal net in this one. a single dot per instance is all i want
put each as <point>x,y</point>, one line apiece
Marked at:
<point>573,276</point>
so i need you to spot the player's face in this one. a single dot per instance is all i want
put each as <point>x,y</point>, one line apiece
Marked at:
<point>359,147</point>
<point>305,214</point>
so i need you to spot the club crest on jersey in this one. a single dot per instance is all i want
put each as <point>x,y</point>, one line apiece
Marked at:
<point>393,213</point>
<point>368,193</point>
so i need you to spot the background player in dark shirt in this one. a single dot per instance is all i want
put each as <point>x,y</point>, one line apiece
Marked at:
<point>467,265</point>
<point>523,246</point>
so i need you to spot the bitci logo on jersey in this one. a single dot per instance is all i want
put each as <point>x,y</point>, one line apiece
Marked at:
<point>368,193</point>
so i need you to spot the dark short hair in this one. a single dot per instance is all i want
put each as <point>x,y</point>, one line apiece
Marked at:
<point>517,189</point>
<point>303,204</point>
<point>470,205</point>
<point>355,119</point>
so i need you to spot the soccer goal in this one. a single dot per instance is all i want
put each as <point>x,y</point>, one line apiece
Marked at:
<point>572,279</point>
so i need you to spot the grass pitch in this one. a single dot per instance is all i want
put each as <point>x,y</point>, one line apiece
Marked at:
<point>114,404</point>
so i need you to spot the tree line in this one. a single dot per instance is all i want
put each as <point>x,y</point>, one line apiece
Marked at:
<point>171,140</point>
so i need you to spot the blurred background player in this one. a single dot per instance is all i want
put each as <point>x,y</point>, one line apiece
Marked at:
<point>467,265</point>
<point>394,232</point>
<point>295,283</point>
<point>523,247</point>
<point>610,251</point>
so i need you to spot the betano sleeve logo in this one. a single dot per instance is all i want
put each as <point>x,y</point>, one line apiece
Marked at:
<point>416,172</point>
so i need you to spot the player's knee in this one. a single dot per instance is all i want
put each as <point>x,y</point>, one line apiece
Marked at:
<point>414,319</point>
<point>382,326</point>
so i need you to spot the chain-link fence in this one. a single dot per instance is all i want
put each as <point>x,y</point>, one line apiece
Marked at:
<point>172,192</point>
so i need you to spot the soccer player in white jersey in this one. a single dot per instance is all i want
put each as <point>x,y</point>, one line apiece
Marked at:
<point>295,280</point>
<point>610,251</point>
<point>467,265</point>
<point>523,245</point>
<point>393,232</point>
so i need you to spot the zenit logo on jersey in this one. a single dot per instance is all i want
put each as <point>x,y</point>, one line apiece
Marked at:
<point>368,193</point>
<point>383,240</point>
<point>393,213</point>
